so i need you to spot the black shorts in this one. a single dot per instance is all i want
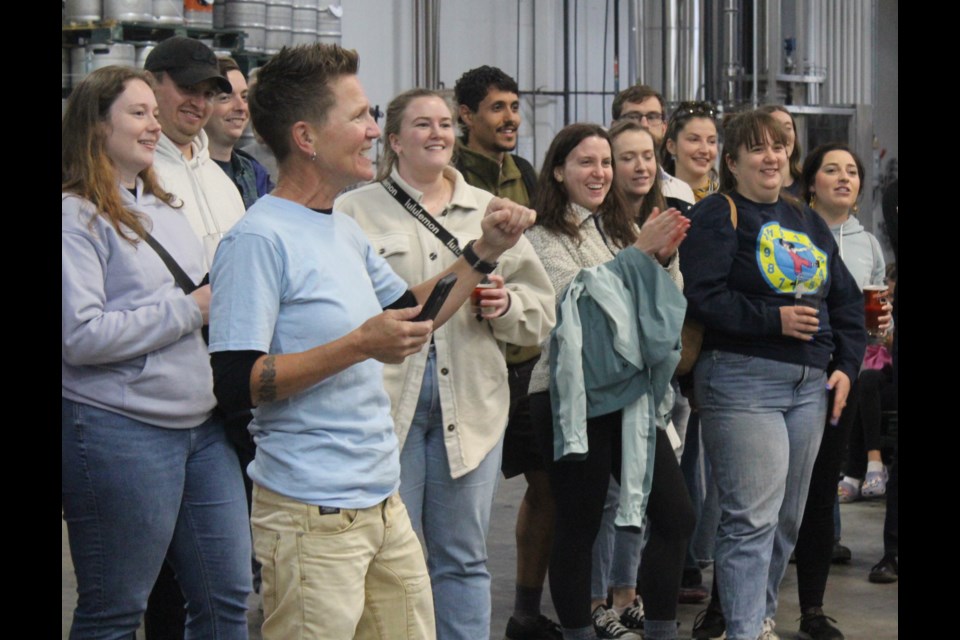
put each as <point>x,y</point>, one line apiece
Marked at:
<point>521,448</point>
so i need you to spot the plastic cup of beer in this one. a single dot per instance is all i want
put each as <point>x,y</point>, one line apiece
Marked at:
<point>874,298</point>
<point>476,298</point>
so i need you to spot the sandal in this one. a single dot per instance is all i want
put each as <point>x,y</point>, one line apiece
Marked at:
<point>847,491</point>
<point>875,484</point>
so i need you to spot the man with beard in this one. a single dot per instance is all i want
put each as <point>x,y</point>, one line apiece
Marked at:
<point>488,110</point>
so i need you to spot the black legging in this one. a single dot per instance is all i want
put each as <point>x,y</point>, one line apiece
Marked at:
<point>579,489</point>
<point>876,394</point>
<point>814,548</point>
<point>671,520</point>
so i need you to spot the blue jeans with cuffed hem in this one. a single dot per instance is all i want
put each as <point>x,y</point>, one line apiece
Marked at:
<point>134,494</point>
<point>452,515</point>
<point>762,421</point>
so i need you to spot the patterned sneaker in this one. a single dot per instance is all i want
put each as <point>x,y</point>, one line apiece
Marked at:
<point>607,624</point>
<point>709,625</point>
<point>768,632</point>
<point>814,625</point>
<point>847,491</point>
<point>874,484</point>
<point>632,617</point>
<point>543,629</point>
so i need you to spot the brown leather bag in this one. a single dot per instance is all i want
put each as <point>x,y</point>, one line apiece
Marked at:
<point>691,335</point>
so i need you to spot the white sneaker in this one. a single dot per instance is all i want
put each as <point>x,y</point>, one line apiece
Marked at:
<point>768,632</point>
<point>607,625</point>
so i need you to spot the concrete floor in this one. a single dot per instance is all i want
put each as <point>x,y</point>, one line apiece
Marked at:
<point>864,611</point>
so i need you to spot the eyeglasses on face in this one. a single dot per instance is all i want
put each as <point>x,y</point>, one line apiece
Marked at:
<point>653,117</point>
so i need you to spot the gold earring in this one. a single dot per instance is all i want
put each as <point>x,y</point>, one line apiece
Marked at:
<point>856,207</point>
<point>813,200</point>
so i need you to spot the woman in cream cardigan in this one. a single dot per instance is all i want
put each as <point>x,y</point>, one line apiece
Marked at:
<point>450,401</point>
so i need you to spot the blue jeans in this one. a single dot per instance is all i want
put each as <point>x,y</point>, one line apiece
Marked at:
<point>762,421</point>
<point>616,552</point>
<point>452,515</point>
<point>134,494</point>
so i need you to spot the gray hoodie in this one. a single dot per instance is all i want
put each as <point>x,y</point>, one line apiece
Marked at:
<point>131,340</point>
<point>860,251</point>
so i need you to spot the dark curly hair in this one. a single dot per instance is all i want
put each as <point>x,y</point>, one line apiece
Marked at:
<point>473,86</point>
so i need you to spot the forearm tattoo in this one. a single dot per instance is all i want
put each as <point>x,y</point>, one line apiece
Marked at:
<point>268,380</point>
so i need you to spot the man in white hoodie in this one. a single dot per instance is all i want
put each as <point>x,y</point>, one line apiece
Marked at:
<point>187,81</point>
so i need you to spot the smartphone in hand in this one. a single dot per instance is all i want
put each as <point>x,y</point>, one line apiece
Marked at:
<point>437,297</point>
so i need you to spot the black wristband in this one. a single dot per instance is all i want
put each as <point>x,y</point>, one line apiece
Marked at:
<point>475,262</point>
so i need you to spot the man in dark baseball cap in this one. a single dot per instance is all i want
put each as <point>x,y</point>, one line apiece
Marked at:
<point>188,62</point>
<point>187,81</point>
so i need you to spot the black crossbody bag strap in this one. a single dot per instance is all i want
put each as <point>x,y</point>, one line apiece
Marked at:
<point>179,275</point>
<point>422,216</point>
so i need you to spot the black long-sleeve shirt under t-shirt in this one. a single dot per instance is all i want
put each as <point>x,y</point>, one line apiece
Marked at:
<point>231,370</point>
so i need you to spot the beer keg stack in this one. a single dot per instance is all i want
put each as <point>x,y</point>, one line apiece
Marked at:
<point>98,33</point>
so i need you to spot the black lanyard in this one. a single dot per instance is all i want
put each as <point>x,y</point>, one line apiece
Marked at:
<point>421,215</point>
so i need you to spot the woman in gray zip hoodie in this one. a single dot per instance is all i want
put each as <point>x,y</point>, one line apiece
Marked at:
<point>146,470</point>
<point>831,182</point>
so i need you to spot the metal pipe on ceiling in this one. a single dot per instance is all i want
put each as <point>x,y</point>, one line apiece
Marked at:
<point>754,90</point>
<point>731,51</point>
<point>670,51</point>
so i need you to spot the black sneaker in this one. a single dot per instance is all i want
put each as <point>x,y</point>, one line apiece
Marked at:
<point>543,629</point>
<point>607,625</point>
<point>841,554</point>
<point>632,616</point>
<point>709,625</point>
<point>885,571</point>
<point>814,625</point>
<point>692,589</point>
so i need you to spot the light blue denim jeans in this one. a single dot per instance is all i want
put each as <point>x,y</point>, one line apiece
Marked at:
<point>452,515</point>
<point>616,552</point>
<point>762,421</point>
<point>133,494</point>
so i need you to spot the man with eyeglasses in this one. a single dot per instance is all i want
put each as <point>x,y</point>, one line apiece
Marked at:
<point>187,81</point>
<point>644,105</point>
